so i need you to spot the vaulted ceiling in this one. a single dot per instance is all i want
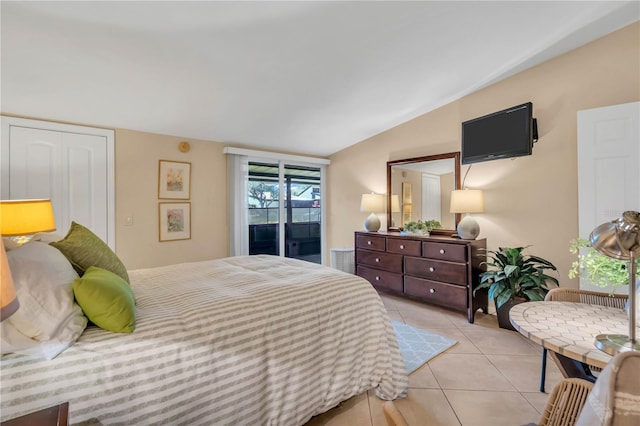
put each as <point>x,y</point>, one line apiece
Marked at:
<point>306,77</point>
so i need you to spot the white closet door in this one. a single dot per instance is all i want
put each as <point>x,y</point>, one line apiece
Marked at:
<point>85,182</point>
<point>608,173</point>
<point>34,156</point>
<point>431,198</point>
<point>71,165</point>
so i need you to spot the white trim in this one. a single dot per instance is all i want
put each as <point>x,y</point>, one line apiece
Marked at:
<point>274,155</point>
<point>282,217</point>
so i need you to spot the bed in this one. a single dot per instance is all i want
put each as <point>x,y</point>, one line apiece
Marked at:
<point>242,340</point>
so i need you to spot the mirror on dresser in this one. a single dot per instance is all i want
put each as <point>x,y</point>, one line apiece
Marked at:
<point>420,189</point>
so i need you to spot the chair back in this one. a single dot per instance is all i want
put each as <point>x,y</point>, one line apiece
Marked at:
<point>615,398</point>
<point>566,402</point>
<point>562,294</point>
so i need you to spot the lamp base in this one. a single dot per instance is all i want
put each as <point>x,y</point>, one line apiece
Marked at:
<point>615,343</point>
<point>372,224</point>
<point>468,228</point>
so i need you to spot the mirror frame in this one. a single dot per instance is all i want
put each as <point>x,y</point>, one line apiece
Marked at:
<point>454,155</point>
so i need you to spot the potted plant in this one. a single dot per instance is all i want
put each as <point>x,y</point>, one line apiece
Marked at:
<point>420,227</point>
<point>515,278</point>
<point>601,270</point>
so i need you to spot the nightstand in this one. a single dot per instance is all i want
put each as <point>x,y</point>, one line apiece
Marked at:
<point>52,416</point>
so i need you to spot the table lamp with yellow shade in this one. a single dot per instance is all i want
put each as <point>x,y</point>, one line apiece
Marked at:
<point>19,219</point>
<point>22,218</point>
<point>8,301</point>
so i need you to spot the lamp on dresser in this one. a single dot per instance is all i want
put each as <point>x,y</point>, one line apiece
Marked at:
<point>467,201</point>
<point>372,203</point>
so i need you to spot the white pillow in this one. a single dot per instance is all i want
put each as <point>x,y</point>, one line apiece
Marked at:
<point>47,237</point>
<point>48,317</point>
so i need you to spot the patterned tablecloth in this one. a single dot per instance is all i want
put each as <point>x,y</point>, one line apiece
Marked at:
<point>569,328</point>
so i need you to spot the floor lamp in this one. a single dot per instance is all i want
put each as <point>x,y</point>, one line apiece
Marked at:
<point>620,239</point>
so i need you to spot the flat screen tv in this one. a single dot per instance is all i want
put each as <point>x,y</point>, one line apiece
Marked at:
<point>503,134</point>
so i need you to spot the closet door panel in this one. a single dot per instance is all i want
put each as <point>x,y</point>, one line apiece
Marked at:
<point>33,157</point>
<point>85,182</point>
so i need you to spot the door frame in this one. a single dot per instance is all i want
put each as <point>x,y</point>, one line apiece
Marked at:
<point>109,134</point>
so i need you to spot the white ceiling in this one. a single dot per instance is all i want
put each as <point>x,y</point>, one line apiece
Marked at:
<point>305,77</point>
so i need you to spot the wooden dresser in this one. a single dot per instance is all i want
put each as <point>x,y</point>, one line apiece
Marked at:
<point>437,269</point>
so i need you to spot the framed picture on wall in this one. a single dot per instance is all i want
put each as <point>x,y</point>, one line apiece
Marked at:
<point>175,221</point>
<point>407,213</point>
<point>406,193</point>
<point>174,180</point>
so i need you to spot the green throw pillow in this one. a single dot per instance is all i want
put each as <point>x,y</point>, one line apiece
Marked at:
<point>83,248</point>
<point>106,299</point>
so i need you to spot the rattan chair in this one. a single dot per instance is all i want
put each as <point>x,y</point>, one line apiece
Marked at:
<point>393,416</point>
<point>580,296</point>
<point>566,402</point>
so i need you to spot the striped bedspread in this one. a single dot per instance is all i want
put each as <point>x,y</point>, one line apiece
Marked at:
<point>255,340</point>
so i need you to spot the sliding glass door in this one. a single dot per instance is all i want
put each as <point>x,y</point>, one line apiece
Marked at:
<point>284,210</point>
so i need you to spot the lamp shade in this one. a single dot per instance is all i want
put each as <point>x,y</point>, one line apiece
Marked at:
<point>24,217</point>
<point>373,203</point>
<point>467,201</point>
<point>8,300</point>
<point>619,239</point>
<point>395,204</point>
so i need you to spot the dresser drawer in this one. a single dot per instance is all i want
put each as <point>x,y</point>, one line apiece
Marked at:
<point>445,251</point>
<point>370,242</point>
<point>387,261</point>
<point>382,280</point>
<point>453,296</point>
<point>438,270</point>
<point>408,247</point>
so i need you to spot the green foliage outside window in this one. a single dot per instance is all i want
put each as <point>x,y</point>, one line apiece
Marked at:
<point>601,270</point>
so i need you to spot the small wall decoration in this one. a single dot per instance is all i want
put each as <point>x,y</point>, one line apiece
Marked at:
<point>407,206</point>
<point>406,193</point>
<point>184,146</point>
<point>175,221</point>
<point>174,180</point>
<point>407,213</point>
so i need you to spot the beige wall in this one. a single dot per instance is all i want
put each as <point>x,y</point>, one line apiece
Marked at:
<point>529,200</point>
<point>137,156</point>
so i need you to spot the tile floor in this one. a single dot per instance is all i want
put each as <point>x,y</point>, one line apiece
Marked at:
<point>489,378</point>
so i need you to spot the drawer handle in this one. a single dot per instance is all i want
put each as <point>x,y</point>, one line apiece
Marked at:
<point>431,291</point>
<point>441,251</point>
<point>401,247</point>
<point>377,260</point>
<point>368,243</point>
<point>377,278</point>
<point>432,269</point>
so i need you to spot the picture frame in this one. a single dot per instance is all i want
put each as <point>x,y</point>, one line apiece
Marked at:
<point>174,220</point>
<point>407,213</point>
<point>406,193</point>
<point>174,180</point>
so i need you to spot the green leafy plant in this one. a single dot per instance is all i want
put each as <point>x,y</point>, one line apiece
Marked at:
<point>515,275</point>
<point>601,270</point>
<point>421,226</point>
